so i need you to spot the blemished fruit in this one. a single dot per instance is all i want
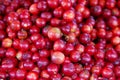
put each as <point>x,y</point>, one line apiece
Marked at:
<point>59,39</point>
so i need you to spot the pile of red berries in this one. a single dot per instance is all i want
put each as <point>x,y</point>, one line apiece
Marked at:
<point>59,39</point>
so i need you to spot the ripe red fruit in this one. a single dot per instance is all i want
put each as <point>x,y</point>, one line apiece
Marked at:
<point>107,72</point>
<point>22,34</point>
<point>52,3</point>
<point>113,21</point>
<point>85,58</point>
<point>2,75</point>
<point>35,57</point>
<point>71,37</point>
<point>57,76</point>
<point>36,70</point>
<point>96,10</point>
<point>115,40</point>
<point>59,39</point>
<point>93,2</point>
<point>42,63</point>
<point>68,69</point>
<point>86,13</point>
<point>84,38</point>
<point>13,73</point>
<point>11,52</point>
<point>40,22</point>
<point>117,71</point>
<point>110,4</point>
<point>57,57</point>
<point>58,12</point>
<point>26,24</point>
<point>15,25</point>
<point>117,48</point>
<point>7,42</point>
<point>59,45</point>
<point>44,53</point>
<point>96,69</point>
<point>69,15</point>
<point>24,45</point>
<point>40,43</point>
<point>20,74</point>
<point>84,74</point>
<point>31,76</point>
<point>28,65</point>
<point>80,8</point>
<point>23,13</point>
<point>33,9</point>
<point>107,13</point>
<point>42,5</point>
<point>86,28</point>
<point>66,4</point>
<point>111,55</point>
<point>12,16</point>
<point>8,64</point>
<point>44,74</point>
<point>54,33</point>
<point>2,25</point>
<point>2,52</point>
<point>46,15</point>
<point>2,35</point>
<point>55,22</point>
<point>75,56</point>
<point>52,69</point>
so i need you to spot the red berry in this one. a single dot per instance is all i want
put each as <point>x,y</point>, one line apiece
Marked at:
<point>33,9</point>
<point>7,42</point>
<point>32,76</point>
<point>68,69</point>
<point>107,72</point>
<point>69,15</point>
<point>54,33</point>
<point>57,57</point>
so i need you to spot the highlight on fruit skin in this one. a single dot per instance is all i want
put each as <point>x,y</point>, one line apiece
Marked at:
<point>60,39</point>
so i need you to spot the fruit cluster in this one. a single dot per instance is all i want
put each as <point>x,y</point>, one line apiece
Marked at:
<point>59,39</point>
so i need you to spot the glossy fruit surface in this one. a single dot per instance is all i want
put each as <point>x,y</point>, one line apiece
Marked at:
<point>59,39</point>
<point>57,57</point>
